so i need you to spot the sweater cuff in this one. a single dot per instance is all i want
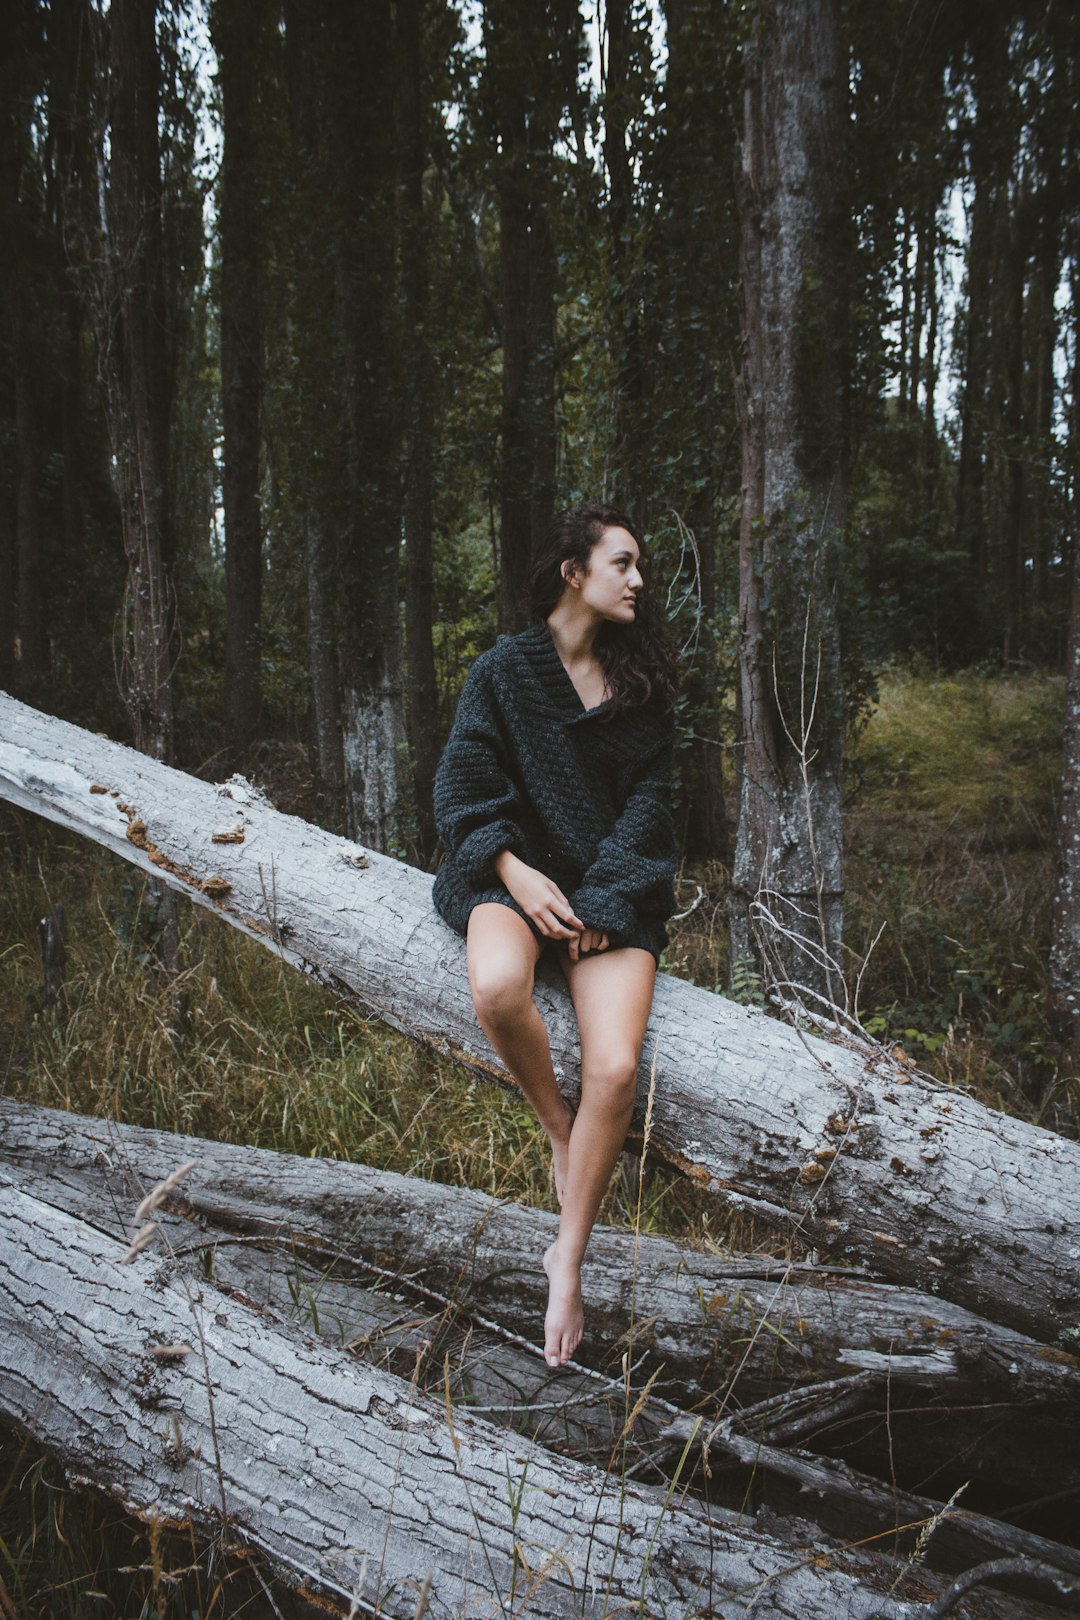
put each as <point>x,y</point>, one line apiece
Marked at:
<point>611,913</point>
<point>475,857</point>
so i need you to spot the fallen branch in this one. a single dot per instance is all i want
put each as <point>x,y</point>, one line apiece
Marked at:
<point>377,1492</point>
<point>860,1156</point>
<point>713,1334</point>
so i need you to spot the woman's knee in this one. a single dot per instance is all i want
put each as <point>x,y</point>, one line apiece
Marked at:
<point>501,990</point>
<point>610,1077</point>
<point>502,961</point>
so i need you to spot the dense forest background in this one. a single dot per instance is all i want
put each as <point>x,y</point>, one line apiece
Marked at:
<point>315,313</point>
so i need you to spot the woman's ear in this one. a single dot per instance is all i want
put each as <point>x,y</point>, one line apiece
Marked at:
<point>569,572</point>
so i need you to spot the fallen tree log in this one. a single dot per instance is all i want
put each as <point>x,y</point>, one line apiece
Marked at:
<point>966,1400</point>
<point>192,1409</point>
<point>856,1154</point>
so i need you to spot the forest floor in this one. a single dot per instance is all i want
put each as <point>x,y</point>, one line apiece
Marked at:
<point>951,791</point>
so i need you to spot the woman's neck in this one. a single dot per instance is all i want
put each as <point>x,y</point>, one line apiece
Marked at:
<point>573,632</point>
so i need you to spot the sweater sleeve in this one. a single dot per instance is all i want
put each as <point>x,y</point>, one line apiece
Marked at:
<point>477,803</point>
<point>634,866</point>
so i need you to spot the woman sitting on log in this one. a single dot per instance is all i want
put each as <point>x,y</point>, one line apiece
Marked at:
<point>552,801</point>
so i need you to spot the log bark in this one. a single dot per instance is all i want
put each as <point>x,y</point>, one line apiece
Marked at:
<point>834,1141</point>
<point>188,1406</point>
<point>712,1334</point>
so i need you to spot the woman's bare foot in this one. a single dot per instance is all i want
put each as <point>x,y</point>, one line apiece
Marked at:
<point>565,1320</point>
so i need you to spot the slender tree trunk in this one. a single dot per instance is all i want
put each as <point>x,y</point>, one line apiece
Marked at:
<point>990,46</point>
<point>524,56</point>
<point>368,324</point>
<point>324,680</point>
<point>691,276</point>
<point>131,342</point>
<point>1041,446</point>
<point>236,28</point>
<point>312,449</point>
<point>905,311</point>
<point>419,472</point>
<point>69,117</point>
<point>20,278</point>
<point>1013,562</point>
<point>132,346</point>
<point>918,311</point>
<point>30,611</point>
<point>7,580</point>
<point>787,883</point>
<point>1065,947</point>
<point>630,464</point>
<point>512,183</point>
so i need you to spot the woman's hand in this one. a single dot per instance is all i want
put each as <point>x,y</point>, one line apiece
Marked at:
<point>588,943</point>
<point>542,901</point>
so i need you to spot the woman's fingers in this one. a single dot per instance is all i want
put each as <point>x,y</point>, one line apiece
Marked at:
<point>551,924</point>
<point>563,907</point>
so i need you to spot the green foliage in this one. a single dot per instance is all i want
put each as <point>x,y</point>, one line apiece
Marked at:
<point>950,844</point>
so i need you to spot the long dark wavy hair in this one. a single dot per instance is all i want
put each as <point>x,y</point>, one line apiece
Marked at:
<point>638,661</point>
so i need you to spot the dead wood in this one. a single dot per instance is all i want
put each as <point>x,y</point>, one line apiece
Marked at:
<point>735,1339</point>
<point>858,1155</point>
<point>189,1406</point>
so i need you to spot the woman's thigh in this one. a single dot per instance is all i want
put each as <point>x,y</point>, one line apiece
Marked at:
<point>612,994</point>
<point>502,952</point>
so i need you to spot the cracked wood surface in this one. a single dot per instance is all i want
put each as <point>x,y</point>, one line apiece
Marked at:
<point>355,1481</point>
<point>715,1333</point>
<point>858,1155</point>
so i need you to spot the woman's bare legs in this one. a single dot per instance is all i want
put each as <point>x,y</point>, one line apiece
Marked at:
<point>612,995</point>
<point>502,956</point>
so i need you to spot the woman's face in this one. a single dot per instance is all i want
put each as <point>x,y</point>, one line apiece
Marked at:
<point>612,580</point>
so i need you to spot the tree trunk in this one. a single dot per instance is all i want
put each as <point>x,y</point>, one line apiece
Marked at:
<point>1014,569</point>
<point>991,59</point>
<point>631,463</point>
<point>236,29</point>
<point>7,580</point>
<point>787,885</point>
<point>131,341</point>
<point>323,674</point>
<point>366,578</point>
<point>30,610</point>
<point>708,1334</point>
<point>524,62</point>
<point>184,1404</point>
<point>1065,944</point>
<point>860,1155</point>
<point>419,472</point>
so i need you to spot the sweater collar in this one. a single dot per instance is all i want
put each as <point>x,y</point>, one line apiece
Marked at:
<point>542,657</point>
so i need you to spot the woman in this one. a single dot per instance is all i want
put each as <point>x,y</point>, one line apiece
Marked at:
<point>552,801</point>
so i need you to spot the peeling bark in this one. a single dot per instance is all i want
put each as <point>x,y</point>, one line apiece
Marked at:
<point>859,1155</point>
<point>353,1479</point>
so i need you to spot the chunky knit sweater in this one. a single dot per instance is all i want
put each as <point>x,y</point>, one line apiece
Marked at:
<point>581,794</point>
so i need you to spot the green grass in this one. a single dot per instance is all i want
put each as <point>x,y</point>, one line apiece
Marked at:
<point>967,749</point>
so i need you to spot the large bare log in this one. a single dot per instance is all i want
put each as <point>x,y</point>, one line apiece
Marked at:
<point>193,1409</point>
<point>966,1399</point>
<point>830,1140</point>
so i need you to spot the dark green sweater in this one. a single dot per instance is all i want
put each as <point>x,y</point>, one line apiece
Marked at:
<point>583,795</point>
